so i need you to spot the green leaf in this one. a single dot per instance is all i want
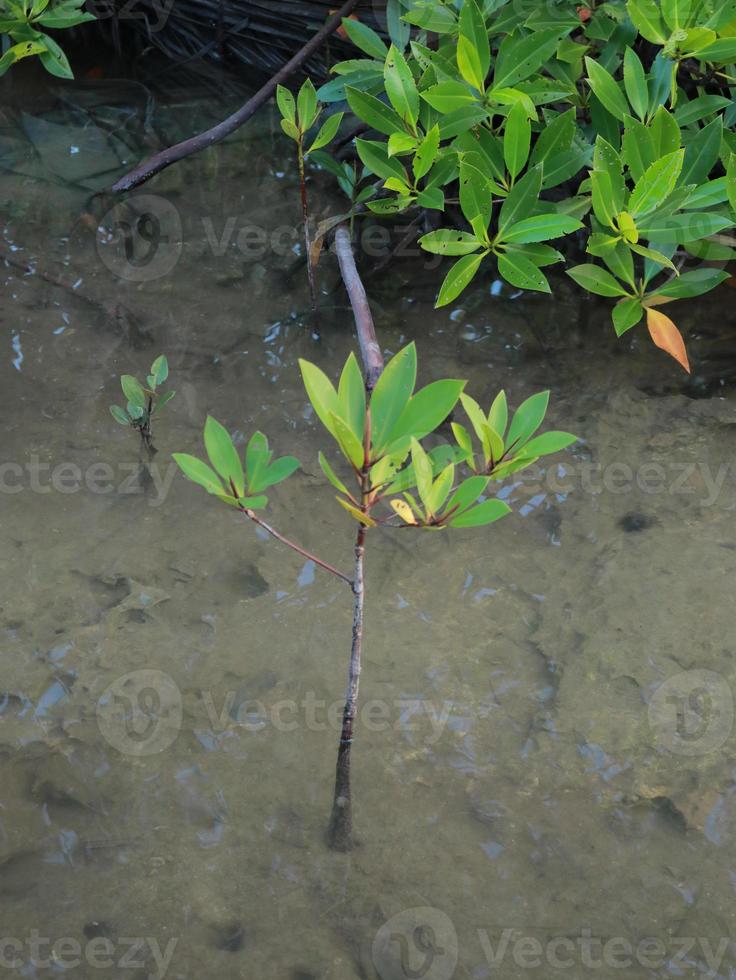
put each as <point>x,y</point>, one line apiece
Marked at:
<point>473,29</point>
<point>527,419</point>
<point>459,276</point>
<point>606,90</point>
<point>485,513</point>
<point>160,369</point>
<point>476,197</point>
<point>223,455</point>
<point>286,104</point>
<point>722,51</point>
<point>700,107</point>
<point>596,280</point>
<point>462,437</point>
<point>426,153</point>
<point>447,97</point>
<point>686,227</point>
<point>638,148</point>
<point>676,13</point>
<point>351,396</point>
<point>731,181</point>
<point>306,105</point>
<point>257,459</point>
<point>635,83</point>
<point>517,140</point>
<point>548,443</point>
<point>371,110</point>
<point>441,488</point>
<point>653,255</point>
<point>279,471</point>
<point>375,157</point>
<point>357,514</point>
<point>331,475</point>
<point>422,474</point>
<point>391,395</point>
<point>466,494</point>
<point>365,38</point>
<point>447,241</point>
<point>522,199</point>
<point>520,57</point>
<point>665,130</point>
<point>499,414</point>
<point>541,228</point>
<point>198,472</point>
<point>53,58</point>
<point>555,137</point>
<point>133,390</point>
<point>25,49</point>
<point>702,153</point>
<point>163,400</point>
<point>626,314</point>
<point>520,271</point>
<point>427,409</point>
<point>656,184</point>
<point>327,132</point>
<point>468,61</point>
<point>647,20</point>
<point>291,129</point>
<point>120,415</point>
<point>321,393</point>
<point>400,86</point>
<point>693,283</point>
<point>348,442</point>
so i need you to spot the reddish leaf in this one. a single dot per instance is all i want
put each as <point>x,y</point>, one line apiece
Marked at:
<point>584,13</point>
<point>665,335</point>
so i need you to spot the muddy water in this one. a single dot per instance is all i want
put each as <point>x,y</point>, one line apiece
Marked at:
<point>545,764</point>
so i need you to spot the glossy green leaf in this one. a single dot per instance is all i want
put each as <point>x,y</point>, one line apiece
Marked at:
<point>279,471</point>
<point>626,314</point>
<point>476,196</point>
<point>522,199</point>
<point>656,184</point>
<point>517,140</point>
<point>371,110</point>
<point>198,472</point>
<point>365,38</point>
<point>458,278</point>
<point>485,513</point>
<point>427,409</point>
<point>321,393</point>
<point>596,280</point>
<point>374,156</point>
<point>696,282</point>
<point>520,271</point>
<point>541,228</point>
<point>160,369</point>
<point>327,132</point>
<point>447,97</point>
<point>351,446</point>
<point>391,395</point>
<point>222,454</point>
<point>133,390</point>
<point>548,443</point>
<point>120,415</point>
<point>286,103</point>
<point>635,83</point>
<point>400,86</point>
<point>606,89</point>
<point>472,27</point>
<point>306,105</point>
<point>466,494</point>
<point>331,475</point>
<point>499,414</point>
<point>426,153</point>
<point>447,241</point>
<point>527,419</point>
<point>351,396</point>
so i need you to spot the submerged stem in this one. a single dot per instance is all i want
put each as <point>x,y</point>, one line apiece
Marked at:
<point>305,222</point>
<point>340,829</point>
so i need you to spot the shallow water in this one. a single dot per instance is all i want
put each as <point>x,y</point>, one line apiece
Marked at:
<point>172,680</point>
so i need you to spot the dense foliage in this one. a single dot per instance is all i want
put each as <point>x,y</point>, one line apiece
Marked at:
<point>613,121</point>
<point>23,25</point>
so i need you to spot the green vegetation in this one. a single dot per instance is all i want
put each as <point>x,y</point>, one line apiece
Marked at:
<point>611,124</point>
<point>143,401</point>
<point>23,25</point>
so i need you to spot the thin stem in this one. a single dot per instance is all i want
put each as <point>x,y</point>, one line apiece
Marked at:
<point>340,829</point>
<point>251,515</point>
<point>305,223</point>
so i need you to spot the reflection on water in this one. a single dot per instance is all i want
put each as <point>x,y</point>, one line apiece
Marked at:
<point>544,774</point>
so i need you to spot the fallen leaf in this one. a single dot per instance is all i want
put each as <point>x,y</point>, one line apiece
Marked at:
<point>665,335</point>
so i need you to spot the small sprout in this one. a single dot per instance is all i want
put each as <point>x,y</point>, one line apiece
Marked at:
<point>143,402</point>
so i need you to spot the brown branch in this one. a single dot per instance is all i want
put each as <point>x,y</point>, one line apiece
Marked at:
<point>295,547</point>
<point>369,348</point>
<point>201,141</point>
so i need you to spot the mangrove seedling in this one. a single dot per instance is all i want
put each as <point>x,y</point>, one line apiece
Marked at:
<point>297,118</point>
<point>144,401</point>
<point>390,480</point>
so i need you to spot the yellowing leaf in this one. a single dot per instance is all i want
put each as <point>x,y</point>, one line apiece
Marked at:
<point>665,335</point>
<point>357,514</point>
<point>404,511</point>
